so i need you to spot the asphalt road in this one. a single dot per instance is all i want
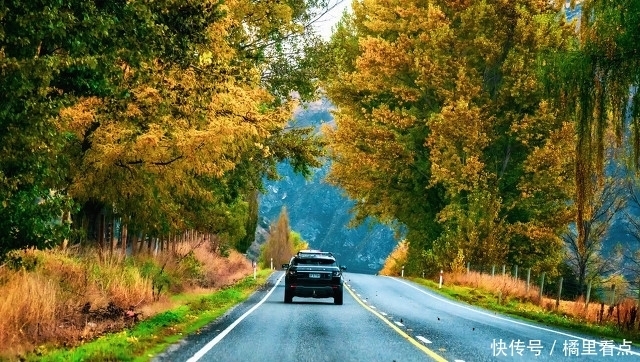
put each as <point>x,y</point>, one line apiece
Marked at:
<point>382,319</point>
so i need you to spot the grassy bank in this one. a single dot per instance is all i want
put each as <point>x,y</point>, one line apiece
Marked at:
<point>515,300</point>
<point>148,338</point>
<point>65,298</point>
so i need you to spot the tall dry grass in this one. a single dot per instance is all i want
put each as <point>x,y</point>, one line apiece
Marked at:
<point>622,314</point>
<point>503,285</point>
<point>215,270</point>
<point>29,308</point>
<point>64,297</point>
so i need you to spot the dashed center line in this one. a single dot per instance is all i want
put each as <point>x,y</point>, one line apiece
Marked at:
<point>384,314</point>
<point>386,320</point>
<point>424,340</point>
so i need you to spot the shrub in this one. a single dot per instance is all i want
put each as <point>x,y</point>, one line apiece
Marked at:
<point>398,257</point>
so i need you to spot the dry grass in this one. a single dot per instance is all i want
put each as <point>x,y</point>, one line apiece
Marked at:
<point>507,287</point>
<point>596,313</point>
<point>29,308</point>
<point>62,297</point>
<point>214,270</point>
<point>503,285</point>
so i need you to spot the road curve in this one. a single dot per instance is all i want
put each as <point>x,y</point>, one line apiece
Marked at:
<point>459,332</point>
<point>382,319</point>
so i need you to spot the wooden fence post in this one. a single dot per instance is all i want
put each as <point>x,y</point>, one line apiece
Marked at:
<point>559,293</point>
<point>541,286</point>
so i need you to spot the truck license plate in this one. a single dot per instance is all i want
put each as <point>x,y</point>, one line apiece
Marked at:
<point>314,275</point>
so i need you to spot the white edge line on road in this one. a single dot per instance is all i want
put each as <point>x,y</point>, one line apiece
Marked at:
<point>223,334</point>
<point>505,319</point>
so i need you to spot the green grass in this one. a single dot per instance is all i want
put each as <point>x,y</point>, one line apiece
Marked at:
<point>527,311</point>
<point>152,336</point>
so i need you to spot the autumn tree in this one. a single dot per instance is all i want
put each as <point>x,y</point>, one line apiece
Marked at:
<point>279,246</point>
<point>394,263</point>
<point>167,114</point>
<point>441,124</point>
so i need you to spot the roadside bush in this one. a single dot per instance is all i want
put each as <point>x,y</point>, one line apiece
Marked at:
<point>394,262</point>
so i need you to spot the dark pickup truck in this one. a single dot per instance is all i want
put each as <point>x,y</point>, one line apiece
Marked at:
<point>313,274</point>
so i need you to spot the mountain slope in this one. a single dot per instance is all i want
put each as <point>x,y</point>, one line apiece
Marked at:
<point>320,213</point>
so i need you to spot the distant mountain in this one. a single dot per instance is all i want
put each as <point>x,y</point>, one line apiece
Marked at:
<point>320,213</point>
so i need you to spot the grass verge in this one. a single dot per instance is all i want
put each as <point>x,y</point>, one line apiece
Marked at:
<point>153,335</point>
<point>528,311</point>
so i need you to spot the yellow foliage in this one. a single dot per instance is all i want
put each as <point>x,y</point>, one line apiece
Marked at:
<point>446,97</point>
<point>396,260</point>
<point>79,117</point>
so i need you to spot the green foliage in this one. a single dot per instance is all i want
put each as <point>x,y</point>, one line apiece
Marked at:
<point>591,82</point>
<point>161,280</point>
<point>33,218</point>
<point>20,259</point>
<point>250,224</point>
<point>216,300</point>
<point>191,266</point>
<point>298,242</point>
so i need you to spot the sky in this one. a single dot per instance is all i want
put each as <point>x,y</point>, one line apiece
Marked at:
<point>324,24</point>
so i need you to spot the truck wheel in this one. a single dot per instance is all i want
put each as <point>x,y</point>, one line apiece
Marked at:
<point>337,298</point>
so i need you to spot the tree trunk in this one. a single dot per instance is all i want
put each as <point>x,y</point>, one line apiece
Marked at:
<point>141,240</point>
<point>123,236</point>
<point>113,238</point>
<point>101,230</point>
